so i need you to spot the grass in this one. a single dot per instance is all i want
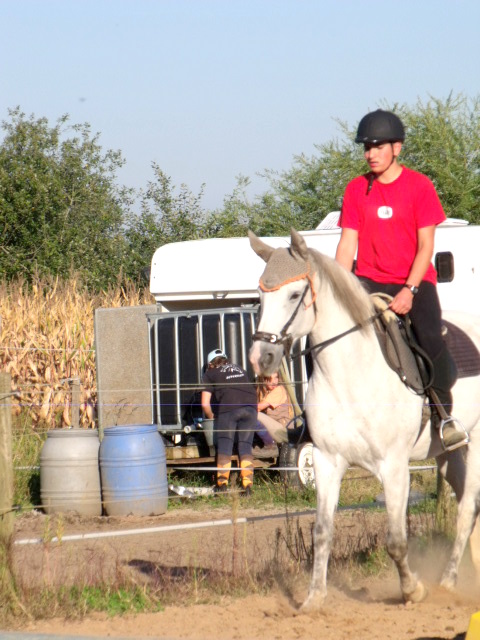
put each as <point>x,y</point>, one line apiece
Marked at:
<point>114,601</point>
<point>77,601</point>
<point>27,443</point>
<point>358,488</point>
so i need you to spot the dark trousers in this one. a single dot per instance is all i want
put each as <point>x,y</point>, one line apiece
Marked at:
<point>240,423</point>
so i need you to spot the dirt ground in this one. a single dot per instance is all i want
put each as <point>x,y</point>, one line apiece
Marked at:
<point>360,608</point>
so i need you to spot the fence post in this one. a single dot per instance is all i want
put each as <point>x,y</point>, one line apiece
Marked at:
<point>6,461</point>
<point>76,403</point>
<point>445,512</point>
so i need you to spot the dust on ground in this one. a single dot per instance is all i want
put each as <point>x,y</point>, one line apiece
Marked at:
<point>357,607</point>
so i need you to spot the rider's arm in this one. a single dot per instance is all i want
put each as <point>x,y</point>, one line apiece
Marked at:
<point>423,258</point>
<point>347,248</point>
<point>402,302</point>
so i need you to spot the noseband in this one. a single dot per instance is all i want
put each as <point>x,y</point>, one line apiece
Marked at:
<point>283,338</point>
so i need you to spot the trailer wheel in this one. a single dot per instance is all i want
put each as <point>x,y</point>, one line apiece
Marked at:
<point>300,456</point>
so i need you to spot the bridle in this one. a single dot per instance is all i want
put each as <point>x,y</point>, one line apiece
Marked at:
<point>285,339</point>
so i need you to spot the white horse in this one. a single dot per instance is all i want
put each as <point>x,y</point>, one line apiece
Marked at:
<point>358,410</point>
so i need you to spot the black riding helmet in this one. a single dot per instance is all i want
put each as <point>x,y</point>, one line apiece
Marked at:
<point>380,126</point>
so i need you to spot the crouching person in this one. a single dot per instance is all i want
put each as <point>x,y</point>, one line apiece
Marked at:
<point>230,398</point>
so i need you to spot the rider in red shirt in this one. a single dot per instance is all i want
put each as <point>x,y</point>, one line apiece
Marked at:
<point>388,219</point>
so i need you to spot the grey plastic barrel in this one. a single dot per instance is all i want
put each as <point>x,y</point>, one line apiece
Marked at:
<point>133,470</point>
<point>69,472</point>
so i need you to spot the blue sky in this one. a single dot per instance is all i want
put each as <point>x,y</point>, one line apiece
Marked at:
<point>211,89</point>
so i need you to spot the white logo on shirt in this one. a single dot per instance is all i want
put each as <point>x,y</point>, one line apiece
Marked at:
<point>384,213</point>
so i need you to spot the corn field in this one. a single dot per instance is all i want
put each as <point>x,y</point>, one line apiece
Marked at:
<point>47,339</point>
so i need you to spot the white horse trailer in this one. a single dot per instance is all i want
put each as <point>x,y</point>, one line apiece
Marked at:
<point>223,271</point>
<point>150,360</point>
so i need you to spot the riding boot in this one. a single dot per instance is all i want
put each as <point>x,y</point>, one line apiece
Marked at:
<point>450,436</point>
<point>445,375</point>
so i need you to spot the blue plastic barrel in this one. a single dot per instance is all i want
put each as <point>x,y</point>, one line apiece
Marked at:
<point>133,471</point>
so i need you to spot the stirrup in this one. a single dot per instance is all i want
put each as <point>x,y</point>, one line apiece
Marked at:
<point>456,445</point>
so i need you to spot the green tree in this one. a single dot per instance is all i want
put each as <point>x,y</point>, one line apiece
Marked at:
<point>236,216</point>
<point>60,207</point>
<point>165,216</point>
<point>443,141</point>
<point>298,197</point>
<point>314,185</point>
<point>266,215</point>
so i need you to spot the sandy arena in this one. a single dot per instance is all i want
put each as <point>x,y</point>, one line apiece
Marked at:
<point>356,608</point>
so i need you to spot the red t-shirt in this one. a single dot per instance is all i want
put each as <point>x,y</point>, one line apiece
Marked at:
<point>387,221</point>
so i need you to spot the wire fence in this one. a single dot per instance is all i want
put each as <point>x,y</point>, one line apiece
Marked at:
<point>171,492</point>
<point>74,405</point>
<point>73,388</point>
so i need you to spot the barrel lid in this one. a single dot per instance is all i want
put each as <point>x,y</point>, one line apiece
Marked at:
<point>70,432</point>
<point>127,429</point>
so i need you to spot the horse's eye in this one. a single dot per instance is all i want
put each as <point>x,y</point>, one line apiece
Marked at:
<point>294,296</point>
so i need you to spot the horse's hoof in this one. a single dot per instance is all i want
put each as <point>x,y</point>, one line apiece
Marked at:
<point>448,583</point>
<point>313,602</point>
<point>417,595</point>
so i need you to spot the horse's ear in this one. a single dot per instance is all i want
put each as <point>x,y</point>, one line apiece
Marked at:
<point>261,248</point>
<point>298,247</point>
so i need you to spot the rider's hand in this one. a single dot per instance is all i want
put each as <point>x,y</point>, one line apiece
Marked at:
<point>402,302</point>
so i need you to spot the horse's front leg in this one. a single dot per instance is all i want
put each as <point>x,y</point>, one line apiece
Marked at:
<point>396,480</point>
<point>329,472</point>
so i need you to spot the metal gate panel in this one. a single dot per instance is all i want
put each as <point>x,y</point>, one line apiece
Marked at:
<point>179,345</point>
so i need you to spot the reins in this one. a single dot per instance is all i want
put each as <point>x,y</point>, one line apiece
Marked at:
<point>427,384</point>
<point>322,345</point>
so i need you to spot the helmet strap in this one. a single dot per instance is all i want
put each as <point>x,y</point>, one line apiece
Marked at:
<point>371,178</point>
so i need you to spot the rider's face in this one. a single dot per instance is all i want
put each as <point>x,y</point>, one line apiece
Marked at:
<point>381,156</point>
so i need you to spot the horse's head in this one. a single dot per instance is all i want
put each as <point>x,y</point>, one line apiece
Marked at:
<point>287,309</point>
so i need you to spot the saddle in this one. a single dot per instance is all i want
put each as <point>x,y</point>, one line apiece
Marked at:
<point>413,365</point>
<point>407,358</point>
<point>400,348</point>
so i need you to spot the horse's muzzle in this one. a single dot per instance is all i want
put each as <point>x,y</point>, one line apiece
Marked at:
<point>266,357</point>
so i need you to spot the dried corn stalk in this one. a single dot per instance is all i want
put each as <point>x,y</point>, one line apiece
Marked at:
<point>47,339</point>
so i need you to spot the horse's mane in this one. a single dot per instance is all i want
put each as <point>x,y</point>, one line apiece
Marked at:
<point>347,289</point>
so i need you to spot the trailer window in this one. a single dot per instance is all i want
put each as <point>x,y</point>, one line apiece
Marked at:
<point>445,266</point>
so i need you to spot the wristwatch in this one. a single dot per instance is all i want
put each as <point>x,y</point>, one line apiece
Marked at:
<point>412,288</point>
